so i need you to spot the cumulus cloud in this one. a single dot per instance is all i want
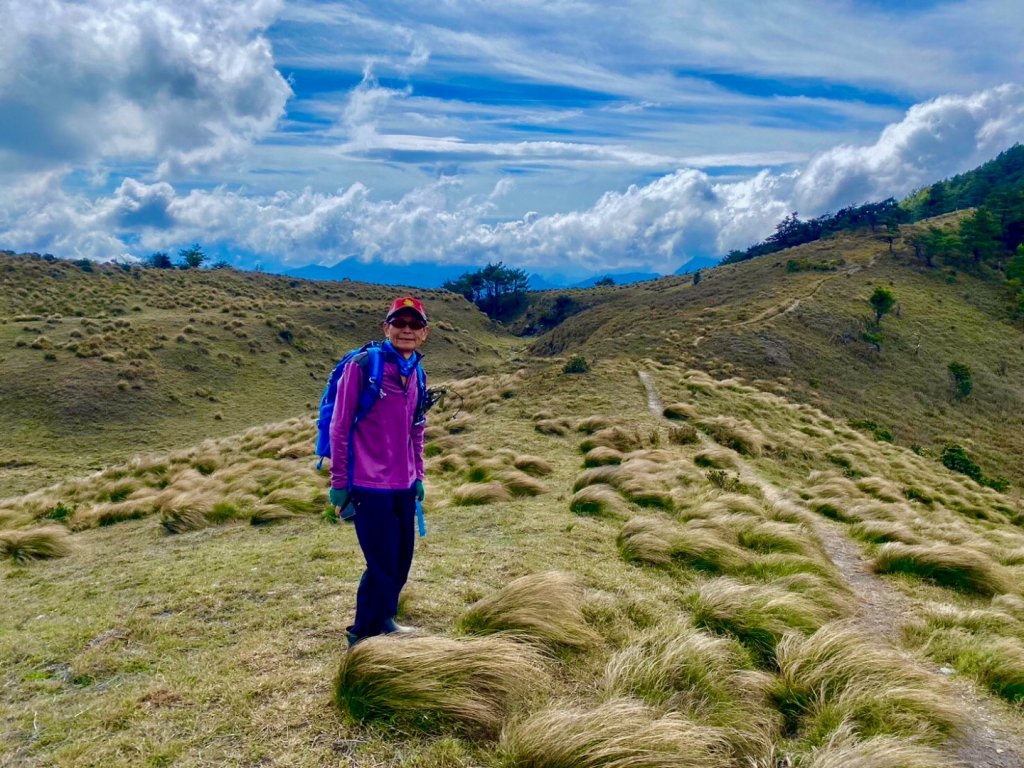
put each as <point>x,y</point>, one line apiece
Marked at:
<point>177,83</point>
<point>936,139</point>
<point>656,226</point>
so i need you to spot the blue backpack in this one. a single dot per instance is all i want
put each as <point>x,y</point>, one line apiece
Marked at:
<point>369,357</point>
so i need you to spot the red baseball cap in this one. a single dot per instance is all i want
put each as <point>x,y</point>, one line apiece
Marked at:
<point>406,303</point>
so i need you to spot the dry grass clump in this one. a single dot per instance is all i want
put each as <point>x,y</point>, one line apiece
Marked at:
<point>591,424</point>
<point>883,531</point>
<point>470,494</point>
<point>543,607</point>
<point>658,541</point>
<point>484,469</point>
<point>621,733</point>
<point>434,683</point>
<point>619,438</point>
<point>742,436</point>
<point>448,463</point>
<point>717,458</point>
<point>43,543</point>
<point>266,513</point>
<point>986,644</point>
<point>602,456</point>
<point>949,566</point>
<point>646,491</point>
<point>552,426</point>
<point>770,537</point>
<point>521,484</point>
<point>606,474</point>
<point>185,512</point>
<point>841,675</point>
<point>533,465</point>
<point>596,501</point>
<point>679,412</point>
<point>879,752</point>
<point>708,678</point>
<point>757,615</point>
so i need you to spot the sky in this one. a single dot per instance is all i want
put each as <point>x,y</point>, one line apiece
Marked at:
<point>568,136</point>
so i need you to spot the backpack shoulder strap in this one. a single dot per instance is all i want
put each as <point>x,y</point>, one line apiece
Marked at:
<point>420,416</point>
<point>371,360</point>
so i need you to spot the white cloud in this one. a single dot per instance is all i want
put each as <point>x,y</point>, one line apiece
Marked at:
<point>157,80</point>
<point>655,226</point>
<point>936,139</point>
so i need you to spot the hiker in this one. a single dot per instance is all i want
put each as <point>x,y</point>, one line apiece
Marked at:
<point>377,466</point>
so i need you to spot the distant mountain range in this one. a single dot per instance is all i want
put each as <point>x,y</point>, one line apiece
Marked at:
<point>425,274</point>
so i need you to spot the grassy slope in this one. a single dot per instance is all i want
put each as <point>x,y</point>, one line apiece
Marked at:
<point>733,321</point>
<point>152,360</point>
<point>218,646</point>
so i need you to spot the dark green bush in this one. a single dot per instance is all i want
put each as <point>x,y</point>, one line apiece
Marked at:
<point>576,364</point>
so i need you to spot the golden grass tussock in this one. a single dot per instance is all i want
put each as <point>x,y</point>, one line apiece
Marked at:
<point>471,494</point>
<point>646,491</point>
<point>840,674</point>
<point>521,484</point>
<point>266,513</point>
<point>602,456</point>
<point>619,438</point>
<point>706,677</point>
<point>878,752</point>
<point>606,474</point>
<point>955,567</point>
<point>185,512</point>
<point>759,616</point>
<point>621,733</point>
<point>532,465</point>
<point>679,412</point>
<point>883,531</point>
<point>770,537</point>
<point>597,500</point>
<point>659,541</point>
<point>556,427</point>
<point>542,607</point>
<point>717,458</point>
<point>741,436</point>
<point>43,543</point>
<point>880,488</point>
<point>469,685</point>
<point>591,424</point>
<point>448,463</point>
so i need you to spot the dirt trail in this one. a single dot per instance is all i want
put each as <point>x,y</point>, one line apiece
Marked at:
<point>881,611</point>
<point>784,309</point>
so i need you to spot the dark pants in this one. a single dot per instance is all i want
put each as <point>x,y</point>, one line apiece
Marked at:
<point>385,525</point>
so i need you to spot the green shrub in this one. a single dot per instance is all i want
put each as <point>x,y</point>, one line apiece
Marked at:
<point>960,378</point>
<point>576,364</point>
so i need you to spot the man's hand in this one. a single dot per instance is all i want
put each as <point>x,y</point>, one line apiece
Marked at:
<point>420,492</point>
<point>339,498</point>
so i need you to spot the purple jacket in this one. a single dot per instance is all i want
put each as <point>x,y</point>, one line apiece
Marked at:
<point>387,449</point>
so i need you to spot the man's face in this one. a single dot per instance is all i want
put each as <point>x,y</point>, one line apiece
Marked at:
<point>406,332</point>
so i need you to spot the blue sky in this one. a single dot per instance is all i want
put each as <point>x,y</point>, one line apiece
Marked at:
<point>561,136</point>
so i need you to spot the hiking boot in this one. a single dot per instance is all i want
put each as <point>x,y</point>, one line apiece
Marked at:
<point>392,627</point>
<point>352,639</point>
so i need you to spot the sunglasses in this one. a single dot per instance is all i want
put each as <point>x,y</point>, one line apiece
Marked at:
<point>401,322</point>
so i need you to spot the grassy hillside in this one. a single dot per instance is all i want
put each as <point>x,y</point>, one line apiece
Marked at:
<point>803,332</point>
<point>99,365</point>
<point>747,583</point>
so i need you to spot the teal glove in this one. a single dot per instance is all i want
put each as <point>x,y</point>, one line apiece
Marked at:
<point>338,497</point>
<point>420,492</point>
